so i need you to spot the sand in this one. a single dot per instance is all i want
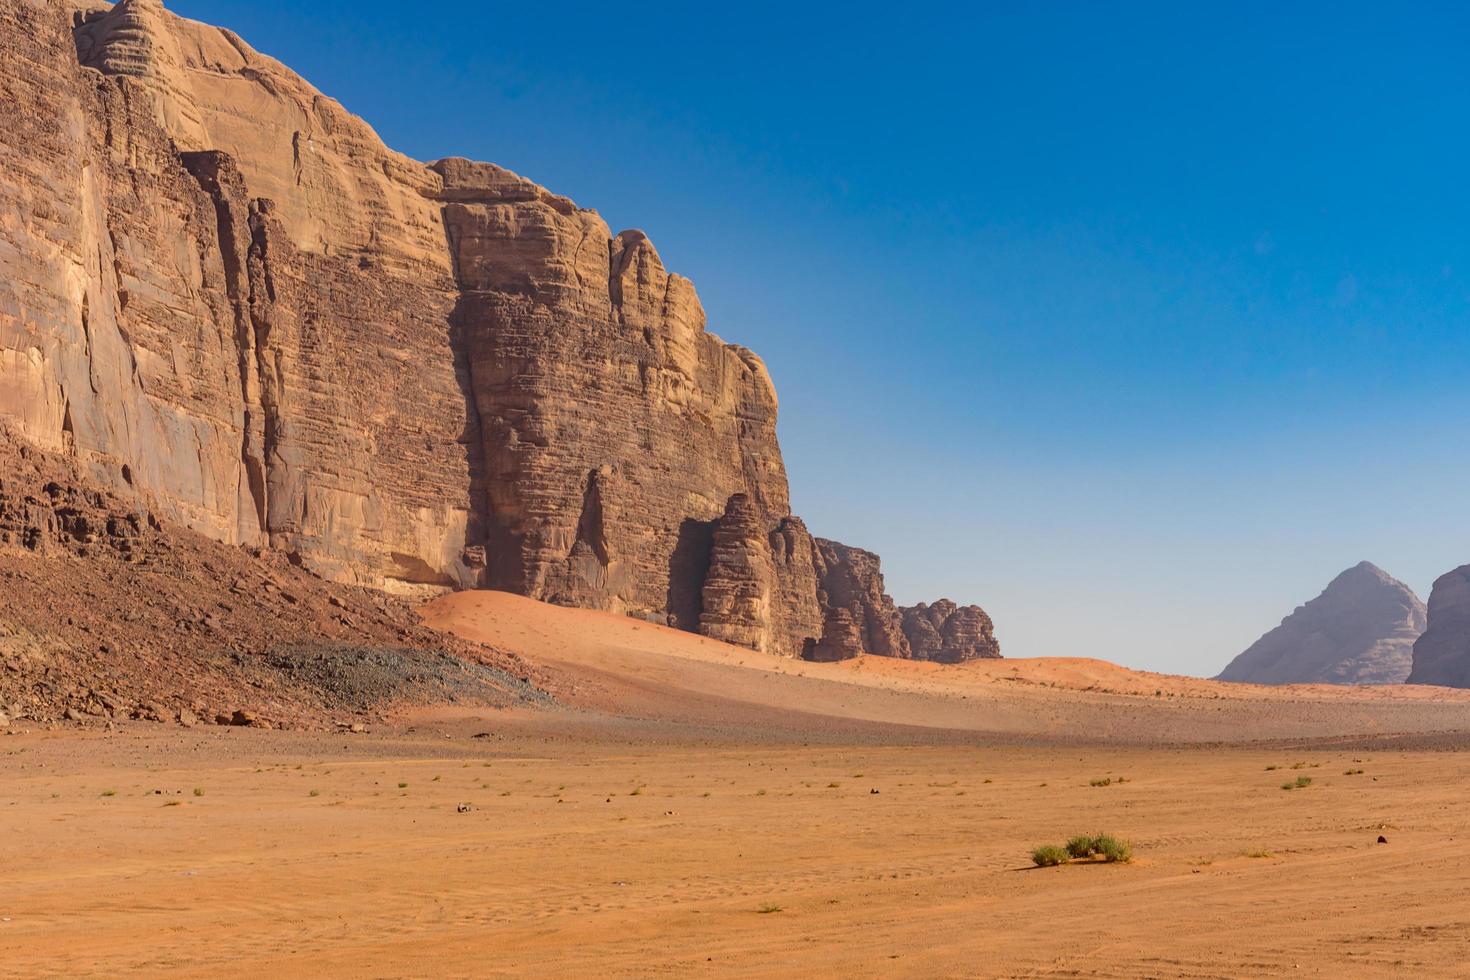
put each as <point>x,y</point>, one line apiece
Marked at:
<point>695,808</point>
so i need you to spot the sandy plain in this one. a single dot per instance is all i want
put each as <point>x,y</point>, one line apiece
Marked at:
<point>696,809</point>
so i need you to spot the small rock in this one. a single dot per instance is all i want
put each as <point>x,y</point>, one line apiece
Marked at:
<point>188,718</point>
<point>465,807</point>
<point>357,728</point>
<point>1382,839</point>
<point>4,720</point>
<point>222,719</point>
<point>243,717</point>
<point>72,714</point>
<point>872,792</point>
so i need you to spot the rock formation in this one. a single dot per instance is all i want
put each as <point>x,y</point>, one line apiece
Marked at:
<point>1360,630</point>
<point>1442,654</point>
<point>225,298</point>
<point>948,633</point>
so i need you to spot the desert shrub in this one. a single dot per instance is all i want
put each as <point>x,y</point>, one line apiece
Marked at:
<point>1106,781</point>
<point>1111,849</point>
<point>1081,846</point>
<point>1049,856</point>
<point>1301,782</point>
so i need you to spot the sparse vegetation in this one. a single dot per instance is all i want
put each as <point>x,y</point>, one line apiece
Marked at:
<point>315,792</point>
<point>403,786</point>
<point>1301,782</point>
<point>637,791</point>
<point>1111,849</point>
<point>1106,781</point>
<point>198,791</point>
<point>1353,772</point>
<point>1107,848</point>
<point>769,907</point>
<point>1260,853</point>
<point>1080,846</point>
<point>109,792</point>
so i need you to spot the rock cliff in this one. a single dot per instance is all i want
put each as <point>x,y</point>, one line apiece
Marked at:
<point>1442,654</point>
<point>1360,630</point>
<point>225,298</point>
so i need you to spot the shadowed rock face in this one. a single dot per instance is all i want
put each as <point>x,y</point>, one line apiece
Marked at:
<point>223,296</point>
<point>1442,654</point>
<point>1360,630</point>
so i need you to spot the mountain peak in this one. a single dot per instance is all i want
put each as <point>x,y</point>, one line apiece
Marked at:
<point>1360,630</point>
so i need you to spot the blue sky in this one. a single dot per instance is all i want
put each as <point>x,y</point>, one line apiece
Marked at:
<point>1134,323</point>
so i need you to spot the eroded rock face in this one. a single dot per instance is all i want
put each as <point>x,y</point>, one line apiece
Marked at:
<point>947,633</point>
<point>227,300</point>
<point>851,578</point>
<point>842,637</point>
<point>1442,653</point>
<point>1360,630</point>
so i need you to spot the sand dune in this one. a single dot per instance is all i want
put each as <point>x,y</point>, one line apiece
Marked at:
<point>633,668</point>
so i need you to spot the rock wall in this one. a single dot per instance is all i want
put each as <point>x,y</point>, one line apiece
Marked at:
<point>1442,653</point>
<point>224,297</point>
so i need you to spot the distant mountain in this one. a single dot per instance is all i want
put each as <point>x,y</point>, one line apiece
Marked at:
<point>1360,630</point>
<point>1442,654</point>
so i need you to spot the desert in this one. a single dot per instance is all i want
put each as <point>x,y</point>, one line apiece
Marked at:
<point>405,571</point>
<point>694,807</point>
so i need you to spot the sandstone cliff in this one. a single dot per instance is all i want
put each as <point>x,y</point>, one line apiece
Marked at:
<point>1442,654</point>
<point>1360,630</point>
<point>225,298</point>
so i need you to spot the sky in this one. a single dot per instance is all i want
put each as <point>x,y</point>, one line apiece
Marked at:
<point>1133,323</point>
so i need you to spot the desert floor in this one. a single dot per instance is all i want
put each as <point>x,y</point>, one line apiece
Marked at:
<point>700,809</point>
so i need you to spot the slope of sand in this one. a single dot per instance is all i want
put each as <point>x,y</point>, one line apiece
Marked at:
<point>630,667</point>
<point>697,809</point>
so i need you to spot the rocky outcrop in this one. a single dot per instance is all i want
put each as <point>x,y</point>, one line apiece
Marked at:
<point>850,578</point>
<point>1360,630</point>
<point>1442,653</point>
<point>842,637</point>
<point>947,633</point>
<point>228,301</point>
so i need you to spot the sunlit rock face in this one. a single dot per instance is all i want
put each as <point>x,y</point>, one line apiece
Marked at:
<point>224,296</point>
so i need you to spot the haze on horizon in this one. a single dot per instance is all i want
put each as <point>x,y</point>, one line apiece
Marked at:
<point>1135,325</point>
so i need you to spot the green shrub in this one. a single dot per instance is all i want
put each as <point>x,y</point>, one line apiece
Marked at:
<point>1111,849</point>
<point>1081,846</point>
<point>1049,856</point>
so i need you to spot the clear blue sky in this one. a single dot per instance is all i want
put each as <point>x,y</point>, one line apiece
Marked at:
<point>1134,323</point>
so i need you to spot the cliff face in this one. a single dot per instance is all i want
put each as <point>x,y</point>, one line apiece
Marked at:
<point>223,296</point>
<point>1442,654</point>
<point>1360,630</point>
